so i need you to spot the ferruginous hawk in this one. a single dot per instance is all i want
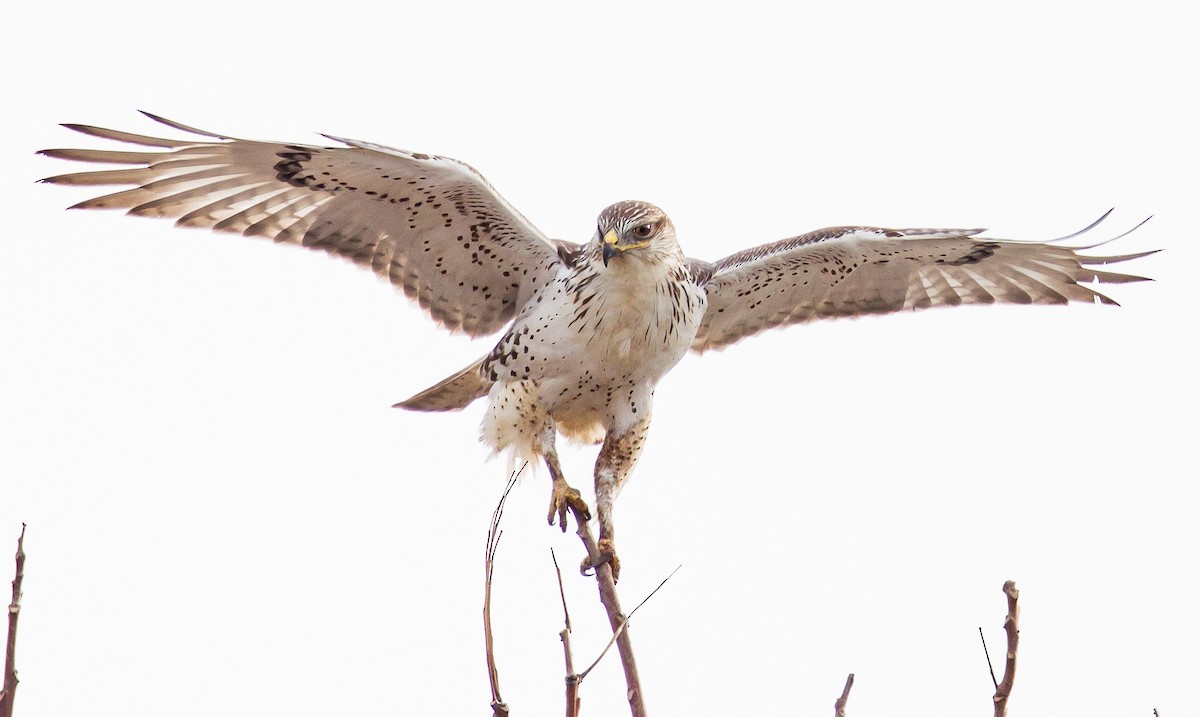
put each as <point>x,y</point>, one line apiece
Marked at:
<point>587,330</point>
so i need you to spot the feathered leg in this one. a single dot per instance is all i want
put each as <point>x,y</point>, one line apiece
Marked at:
<point>562,495</point>
<point>617,457</point>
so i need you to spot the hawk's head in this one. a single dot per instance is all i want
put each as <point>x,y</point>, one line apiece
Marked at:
<point>637,227</point>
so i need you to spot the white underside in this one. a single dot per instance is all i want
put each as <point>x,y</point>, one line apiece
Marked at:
<point>591,378</point>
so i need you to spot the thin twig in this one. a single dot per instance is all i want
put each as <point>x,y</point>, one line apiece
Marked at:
<point>647,598</point>
<point>839,707</point>
<point>625,623</point>
<point>1012,629</point>
<point>562,595</point>
<point>616,621</point>
<point>572,679</point>
<point>989,659</point>
<point>499,708</point>
<point>8,695</point>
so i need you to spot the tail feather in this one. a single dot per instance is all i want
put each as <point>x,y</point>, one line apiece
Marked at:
<point>451,394</point>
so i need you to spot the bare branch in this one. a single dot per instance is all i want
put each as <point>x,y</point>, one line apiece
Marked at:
<point>624,624</point>
<point>989,659</point>
<point>572,679</point>
<point>616,620</point>
<point>1012,629</point>
<point>562,595</point>
<point>499,708</point>
<point>839,707</point>
<point>8,695</point>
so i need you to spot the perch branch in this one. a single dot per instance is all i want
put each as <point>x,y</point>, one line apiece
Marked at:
<point>499,708</point>
<point>1012,629</point>
<point>616,620</point>
<point>839,707</point>
<point>572,679</point>
<point>9,693</point>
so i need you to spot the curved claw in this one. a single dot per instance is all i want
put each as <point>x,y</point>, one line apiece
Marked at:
<point>563,498</point>
<point>607,554</point>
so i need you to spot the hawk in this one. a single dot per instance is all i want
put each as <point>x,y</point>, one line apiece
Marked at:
<point>586,330</point>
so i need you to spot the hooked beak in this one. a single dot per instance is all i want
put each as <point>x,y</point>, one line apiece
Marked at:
<point>610,245</point>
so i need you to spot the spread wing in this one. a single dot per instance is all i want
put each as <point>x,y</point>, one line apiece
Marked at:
<point>430,225</point>
<point>853,271</point>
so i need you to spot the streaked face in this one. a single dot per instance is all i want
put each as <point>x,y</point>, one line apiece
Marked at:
<point>632,226</point>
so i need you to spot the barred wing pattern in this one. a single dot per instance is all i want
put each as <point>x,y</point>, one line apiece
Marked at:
<point>854,271</point>
<point>430,225</point>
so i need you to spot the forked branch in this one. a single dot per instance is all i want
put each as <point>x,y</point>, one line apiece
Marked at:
<point>624,624</point>
<point>572,679</point>
<point>499,708</point>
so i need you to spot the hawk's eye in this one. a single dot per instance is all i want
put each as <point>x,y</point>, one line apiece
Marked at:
<point>643,231</point>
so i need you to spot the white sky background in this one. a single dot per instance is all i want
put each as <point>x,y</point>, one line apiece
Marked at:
<point>226,517</point>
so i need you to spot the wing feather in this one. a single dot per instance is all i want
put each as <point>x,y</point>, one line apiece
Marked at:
<point>430,225</point>
<point>856,271</point>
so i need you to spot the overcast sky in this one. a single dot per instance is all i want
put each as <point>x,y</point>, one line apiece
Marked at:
<point>226,517</point>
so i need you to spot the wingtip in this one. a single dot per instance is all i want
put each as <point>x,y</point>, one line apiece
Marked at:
<point>1086,229</point>
<point>183,127</point>
<point>157,118</point>
<point>95,203</point>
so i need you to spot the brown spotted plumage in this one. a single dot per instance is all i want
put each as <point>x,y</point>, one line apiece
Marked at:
<point>590,328</point>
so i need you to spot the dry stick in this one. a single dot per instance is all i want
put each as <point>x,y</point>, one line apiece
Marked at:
<point>9,694</point>
<point>612,606</point>
<point>572,679</point>
<point>1012,629</point>
<point>499,708</point>
<point>839,707</point>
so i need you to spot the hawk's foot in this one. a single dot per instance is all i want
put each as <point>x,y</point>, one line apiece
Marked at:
<point>562,498</point>
<point>606,554</point>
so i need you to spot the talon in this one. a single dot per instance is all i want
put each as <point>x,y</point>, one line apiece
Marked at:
<point>563,498</point>
<point>607,554</point>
